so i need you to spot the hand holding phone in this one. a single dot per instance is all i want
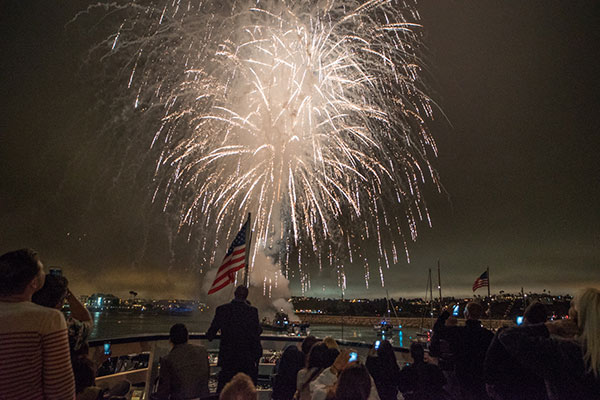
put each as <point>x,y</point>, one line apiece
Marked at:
<point>353,356</point>
<point>377,344</point>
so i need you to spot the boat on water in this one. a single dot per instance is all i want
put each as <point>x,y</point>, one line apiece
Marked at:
<point>281,323</point>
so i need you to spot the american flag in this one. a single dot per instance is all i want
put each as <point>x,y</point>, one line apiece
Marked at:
<point>234,261</point>
<point>482,281</point>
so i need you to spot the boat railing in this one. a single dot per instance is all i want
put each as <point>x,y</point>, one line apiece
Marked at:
<point>153,346</point>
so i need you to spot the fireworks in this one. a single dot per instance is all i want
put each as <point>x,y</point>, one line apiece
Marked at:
<point>310,115</point>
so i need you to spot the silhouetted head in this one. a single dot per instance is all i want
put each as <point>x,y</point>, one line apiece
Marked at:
<point>417,352</point>
<point>330,357</point>
<point>308,343</point>
<point>536,313</point>
<point>354,383</point>
<point>53,293</point>
<point>21,273</point>
<point>317,358</point>
<point>240,387</point>
<point>178,334</point>
<point>330,342</point>
<point>292,361</point>
<point>241,292</point>
<point>474,311</point>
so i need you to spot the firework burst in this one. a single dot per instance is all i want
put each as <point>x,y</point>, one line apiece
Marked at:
<point>311,115</point>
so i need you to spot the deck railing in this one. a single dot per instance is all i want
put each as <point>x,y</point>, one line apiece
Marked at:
<point>155,346</point>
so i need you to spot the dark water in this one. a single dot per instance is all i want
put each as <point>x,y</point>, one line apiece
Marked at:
<point>112,325</point>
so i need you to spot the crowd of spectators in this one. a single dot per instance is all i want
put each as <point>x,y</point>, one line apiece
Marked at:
<point>45,356</point>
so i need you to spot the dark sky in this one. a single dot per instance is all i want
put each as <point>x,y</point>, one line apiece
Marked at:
<point>518,157</point>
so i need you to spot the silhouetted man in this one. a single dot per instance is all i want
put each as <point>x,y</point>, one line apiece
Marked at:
<point>184,372</point>
<point>240,349</point>
<point>469,345</point>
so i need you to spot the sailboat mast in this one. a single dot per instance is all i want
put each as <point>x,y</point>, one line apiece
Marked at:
<point>440,283</point>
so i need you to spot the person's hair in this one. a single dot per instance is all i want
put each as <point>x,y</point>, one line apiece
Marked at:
<point>387,358</point>
<point>292,361</point>
<point>52,293</point>
<point>354,383</point>
<point>587,306</point>
<point>317,357</point>
<point>241,292</point>
<point>239,388</point>
<point>330,342</point>
<point>330,357</point>
<point>308,343</point>
<point>474,310</point>
<point>535,313</point>
<point>178,334</point>
<point>417,352</point>
<point>17,270</point>
<point>84,373</point>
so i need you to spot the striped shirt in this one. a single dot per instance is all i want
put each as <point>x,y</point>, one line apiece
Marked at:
<point>34,353</point>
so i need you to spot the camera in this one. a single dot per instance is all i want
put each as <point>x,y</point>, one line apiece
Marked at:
<point>55,271</point>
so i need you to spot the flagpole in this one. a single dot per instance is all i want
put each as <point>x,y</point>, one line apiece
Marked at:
<point>489,299</point>
<point>248,248</point>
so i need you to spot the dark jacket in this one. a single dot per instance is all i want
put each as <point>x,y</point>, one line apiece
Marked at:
<point>469,345</point>
<point>507,379</point>
<point>184,373</point>
<point>240,333</point>
<point>559,361</point>
<point>422,381</point>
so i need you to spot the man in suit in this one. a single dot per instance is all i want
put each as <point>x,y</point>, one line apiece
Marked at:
<point>240,349</point>
<point>184,372</point>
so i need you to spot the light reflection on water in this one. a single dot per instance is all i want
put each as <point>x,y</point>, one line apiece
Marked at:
<point>114,324</point>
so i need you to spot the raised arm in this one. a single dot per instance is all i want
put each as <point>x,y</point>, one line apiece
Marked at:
<point>78,310</point>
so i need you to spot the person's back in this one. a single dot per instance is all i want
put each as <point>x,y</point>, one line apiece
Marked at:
<point>185,371</point>
<point>505,377</point>
<point>472,342</point>
<point>284,382</point>
<point>570,365</point>
<point>34,347</point>
<point>239,349</point>
<point>421,380</point>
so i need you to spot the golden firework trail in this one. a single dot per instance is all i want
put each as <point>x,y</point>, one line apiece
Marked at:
<point>309,114</point>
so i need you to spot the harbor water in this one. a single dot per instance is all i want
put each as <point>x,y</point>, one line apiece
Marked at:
<point>109,325</point>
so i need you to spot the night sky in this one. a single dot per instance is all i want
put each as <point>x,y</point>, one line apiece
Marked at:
<point>518,157</point>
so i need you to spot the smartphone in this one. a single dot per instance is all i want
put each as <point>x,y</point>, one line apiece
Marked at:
<point>519,320</point>
<point>377,343</point>
<point>353,356</point>
<point>55,271</point>
<point>455,310</point>
<point>107,350</point>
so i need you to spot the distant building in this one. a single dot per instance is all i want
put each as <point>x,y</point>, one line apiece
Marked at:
<point>101,301</point>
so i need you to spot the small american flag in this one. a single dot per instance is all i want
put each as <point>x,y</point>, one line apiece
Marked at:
<point>234,261</point>
<point>482,281</point>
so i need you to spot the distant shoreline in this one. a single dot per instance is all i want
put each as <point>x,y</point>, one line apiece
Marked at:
<point>371,321</point>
